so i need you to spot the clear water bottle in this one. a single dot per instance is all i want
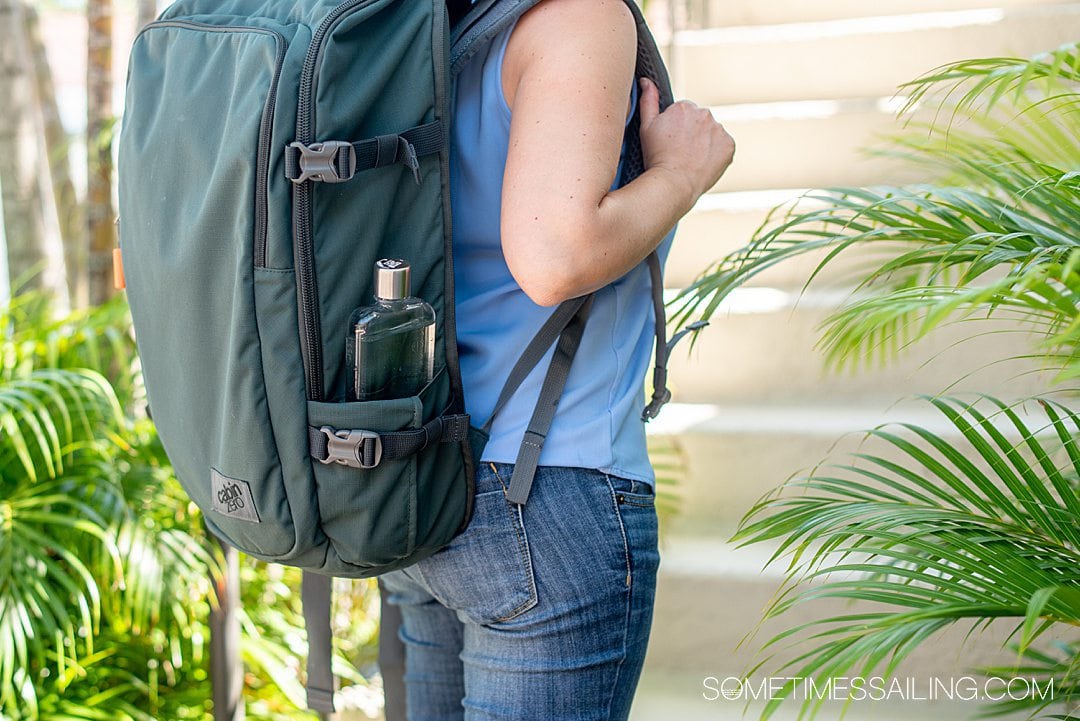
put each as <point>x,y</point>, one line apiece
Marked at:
<point>390,349</point>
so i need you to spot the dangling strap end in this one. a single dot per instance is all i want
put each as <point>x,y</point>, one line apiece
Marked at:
<point>408,151</point>
<point>652,410</point>
<point>320,700</point>
<point>315,594</point>
<point>525,468</point>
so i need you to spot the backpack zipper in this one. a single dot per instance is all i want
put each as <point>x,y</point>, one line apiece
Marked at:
<point>262,162</point>
<point>266,124</point>
<point>303,245</point>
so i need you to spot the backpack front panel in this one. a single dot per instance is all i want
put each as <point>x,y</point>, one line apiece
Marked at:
<point>196,158</point>
<point>240,294</point>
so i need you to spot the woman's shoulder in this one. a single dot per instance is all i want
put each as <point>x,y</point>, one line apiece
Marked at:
<point>564,32</point>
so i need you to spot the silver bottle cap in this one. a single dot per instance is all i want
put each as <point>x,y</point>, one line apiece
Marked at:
<point>391,279</point>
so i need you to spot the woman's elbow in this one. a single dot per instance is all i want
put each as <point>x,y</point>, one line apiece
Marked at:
<point>544,290</point>
<point>545,280</point>
<point>545,264</point>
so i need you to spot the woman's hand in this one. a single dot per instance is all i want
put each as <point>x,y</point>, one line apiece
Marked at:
<point>684,140</point>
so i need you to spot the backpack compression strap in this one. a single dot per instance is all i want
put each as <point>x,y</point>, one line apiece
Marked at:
<point>359,448</point>
<point>336,161</point>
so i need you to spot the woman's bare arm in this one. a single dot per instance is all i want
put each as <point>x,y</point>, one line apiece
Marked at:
<point>567,75</point>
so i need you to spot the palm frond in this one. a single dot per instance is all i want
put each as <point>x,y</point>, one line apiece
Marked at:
<point>1057,669</point>
<point>60,502</point>
<point>97,338</point>
<point>978,85</point>
<point>1043,297</point>
<point>1004,154</point>
<point>977,524</point>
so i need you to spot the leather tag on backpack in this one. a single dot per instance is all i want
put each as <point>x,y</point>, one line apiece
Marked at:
<point>118,270</point>
<point>232,497</point>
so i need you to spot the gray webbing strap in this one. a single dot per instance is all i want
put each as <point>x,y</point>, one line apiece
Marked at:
<point>534,352</point>
<point>391,657</point>
<point>315,597</point>
<point>532,444</point>
<point>661,394</point>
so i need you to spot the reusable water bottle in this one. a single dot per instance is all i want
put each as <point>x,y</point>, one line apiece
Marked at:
<point>390,348</point>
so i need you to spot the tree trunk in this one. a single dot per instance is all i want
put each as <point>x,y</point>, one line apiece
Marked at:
<point>146,11</point>
<point>100,218</point>
<point>25,228</point>
<point>57,146</point>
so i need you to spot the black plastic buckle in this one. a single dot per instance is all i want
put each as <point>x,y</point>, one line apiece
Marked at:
<point>352,448</point>
<point>319,161</point>
<point>653,409</point>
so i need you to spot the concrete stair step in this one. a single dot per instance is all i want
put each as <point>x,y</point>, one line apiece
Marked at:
<point>710,594</point>
<point>760,348</point>
<point>851,58</point>
<point>732,454</point>
<point>811,143</point>
<point>725,13</point>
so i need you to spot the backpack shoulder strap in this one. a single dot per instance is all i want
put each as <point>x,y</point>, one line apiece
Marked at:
<point>551,391</point>
<point>534,352</point>
<point>485,20</point>
<point>649,65</point>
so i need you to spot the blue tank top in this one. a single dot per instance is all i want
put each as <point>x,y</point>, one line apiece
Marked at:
<point>598,421</point>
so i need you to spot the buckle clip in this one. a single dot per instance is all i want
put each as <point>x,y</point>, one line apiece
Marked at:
<point>653,409</point>
<point>319,161</point>
<point>352,448</point>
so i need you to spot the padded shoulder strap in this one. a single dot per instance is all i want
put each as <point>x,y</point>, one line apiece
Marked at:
<point>486,20</point>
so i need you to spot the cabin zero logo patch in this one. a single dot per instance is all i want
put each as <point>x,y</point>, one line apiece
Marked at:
<point>232,497</point>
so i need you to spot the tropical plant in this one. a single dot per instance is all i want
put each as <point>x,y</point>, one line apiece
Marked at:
<point>106,569</point>
<point>954,532</point>
<point>950,532</point>
<point>994,236</point>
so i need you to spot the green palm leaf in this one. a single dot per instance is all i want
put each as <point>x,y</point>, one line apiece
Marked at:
<point>994,236</point>
<point>983,82</point>
<point>988,527</point>
<point>60,501</point>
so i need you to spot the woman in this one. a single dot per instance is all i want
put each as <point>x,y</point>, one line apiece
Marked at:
<point>542,611</point>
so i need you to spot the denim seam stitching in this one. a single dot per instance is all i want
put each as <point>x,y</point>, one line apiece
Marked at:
<point>627,589</point>
<point>622,530</point>
<point>526,556</point>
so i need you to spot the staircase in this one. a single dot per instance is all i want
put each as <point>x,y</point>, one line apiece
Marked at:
<point>803,87</point>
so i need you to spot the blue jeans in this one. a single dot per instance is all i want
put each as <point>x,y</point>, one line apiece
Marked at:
<point>535,612</point>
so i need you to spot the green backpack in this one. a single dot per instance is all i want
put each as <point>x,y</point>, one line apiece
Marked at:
<point>271,152</point>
